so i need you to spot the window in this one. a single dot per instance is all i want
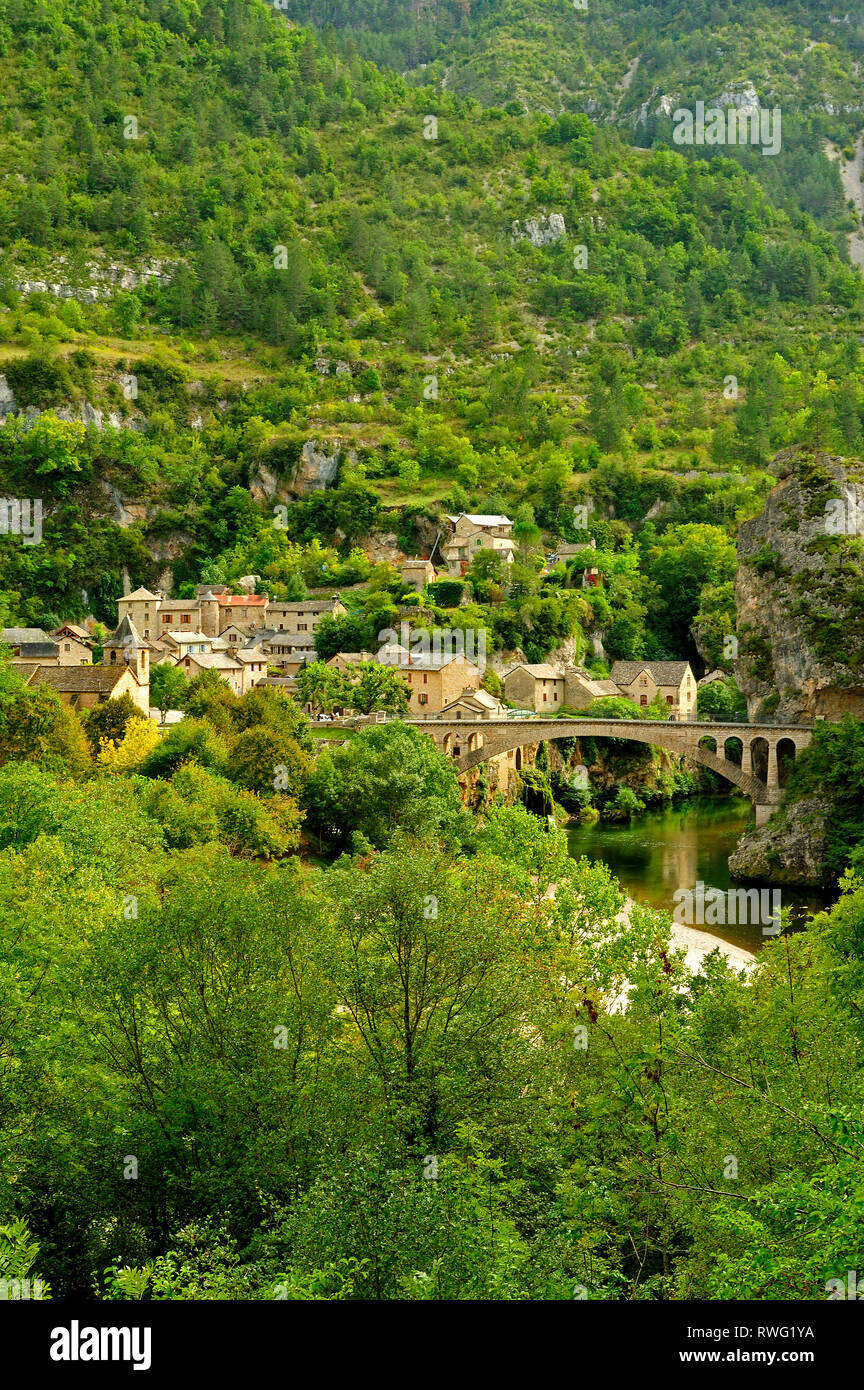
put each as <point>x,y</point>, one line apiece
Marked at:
<point>302,627</point>
<point>425,680</point>
<point>67,647</point>
<point>643,699</point>
<point>166,617</point>
<point>184,617</point>
<point>643,680</point>
<point>669,699</point>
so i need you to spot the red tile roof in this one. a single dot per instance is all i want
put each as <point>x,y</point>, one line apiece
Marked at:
<point>241,600</point>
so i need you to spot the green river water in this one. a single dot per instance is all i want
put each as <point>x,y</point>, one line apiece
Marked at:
<point>659,852</point>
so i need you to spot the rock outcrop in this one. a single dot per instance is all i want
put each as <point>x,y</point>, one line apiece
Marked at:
<point>789,849</point>
<point>799,593</point>
<point>540,231</point>
<point>316,468</point>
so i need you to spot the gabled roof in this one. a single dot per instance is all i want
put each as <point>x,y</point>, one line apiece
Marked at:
<point>473,697</point>
<point>540,670</point>
<point>352,658</point>
<point>23,636</point>
<point>80,633</point>
<point>140,594</point>
<point>74,680</point>
<point>309,605</point>
<point>212,661</point>
<point>182,635</point>
<point>661,672</point>
<point>478,520</point>
<point>420,661</point>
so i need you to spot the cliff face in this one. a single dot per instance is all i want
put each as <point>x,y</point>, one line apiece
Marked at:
<point>799,592</point>
<point>789,849</point>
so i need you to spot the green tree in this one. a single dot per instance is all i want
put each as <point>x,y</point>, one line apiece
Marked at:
<point>168,688</point>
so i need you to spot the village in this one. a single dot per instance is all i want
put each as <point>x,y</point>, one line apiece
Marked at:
<point>249,639</point>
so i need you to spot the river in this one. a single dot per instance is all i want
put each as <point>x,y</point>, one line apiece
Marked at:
<point>659,852</point>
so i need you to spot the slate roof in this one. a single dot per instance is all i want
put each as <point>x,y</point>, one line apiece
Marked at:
<point>477,520</point>
<point>184,635</point>
<point>75,680</point>
<point>24,636</point>
<point>141,594</point>
<point>126,638</point>
<point>662,672</point>
<point>309,605</point>
<point>417,661</point>
<point>352,658</point>
<point>540,670</point>
<point>213,661</point>
<point>477,697</point>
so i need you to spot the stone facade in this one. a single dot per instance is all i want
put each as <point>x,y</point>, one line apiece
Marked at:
<point>471,533</point>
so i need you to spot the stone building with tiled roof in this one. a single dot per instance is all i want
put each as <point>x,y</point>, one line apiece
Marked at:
<point>546,688</point>
<point>30,644</point>
<point>673,681</point>
<point>82,687</point>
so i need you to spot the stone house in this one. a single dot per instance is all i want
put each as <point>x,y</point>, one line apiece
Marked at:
<point>142,607</point>
<point>211,611</point>
<point>226,666</point>
<point>537,686</point>
<point>474,704</point>
<point>31,645</point>
<point>433,680</point>
<point>178,643</point>
<point>75,645</point>
<point>303,617</point>
<point>281,649</point>
<point>581,689</point>
<point>640,681</point>
<point>546,688</point>
<point>471,533</point>
<point>82,687</point>
<point>249,611</point>
<point>417,573</point>
<point>342,661</point>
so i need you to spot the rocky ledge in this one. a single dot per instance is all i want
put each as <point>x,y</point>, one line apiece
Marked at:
<point>790,848</point>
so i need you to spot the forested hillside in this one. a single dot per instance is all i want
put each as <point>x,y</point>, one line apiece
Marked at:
<point>280,288</point>
<point>314,271</point>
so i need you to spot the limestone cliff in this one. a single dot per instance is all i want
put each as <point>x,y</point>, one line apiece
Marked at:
<point>799,592</point>
<point>789,849</point>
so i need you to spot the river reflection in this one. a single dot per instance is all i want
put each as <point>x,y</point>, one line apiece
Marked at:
<point>660,852</point>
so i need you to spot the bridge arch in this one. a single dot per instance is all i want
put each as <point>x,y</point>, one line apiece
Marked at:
<point>707,744</point>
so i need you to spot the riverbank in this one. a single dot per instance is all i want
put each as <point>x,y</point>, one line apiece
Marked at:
<point>658,853</point>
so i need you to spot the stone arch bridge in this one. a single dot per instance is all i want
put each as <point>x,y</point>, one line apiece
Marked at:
<point>754,757</point>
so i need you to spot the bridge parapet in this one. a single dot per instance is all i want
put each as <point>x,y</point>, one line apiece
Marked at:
<point>473,741</point>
